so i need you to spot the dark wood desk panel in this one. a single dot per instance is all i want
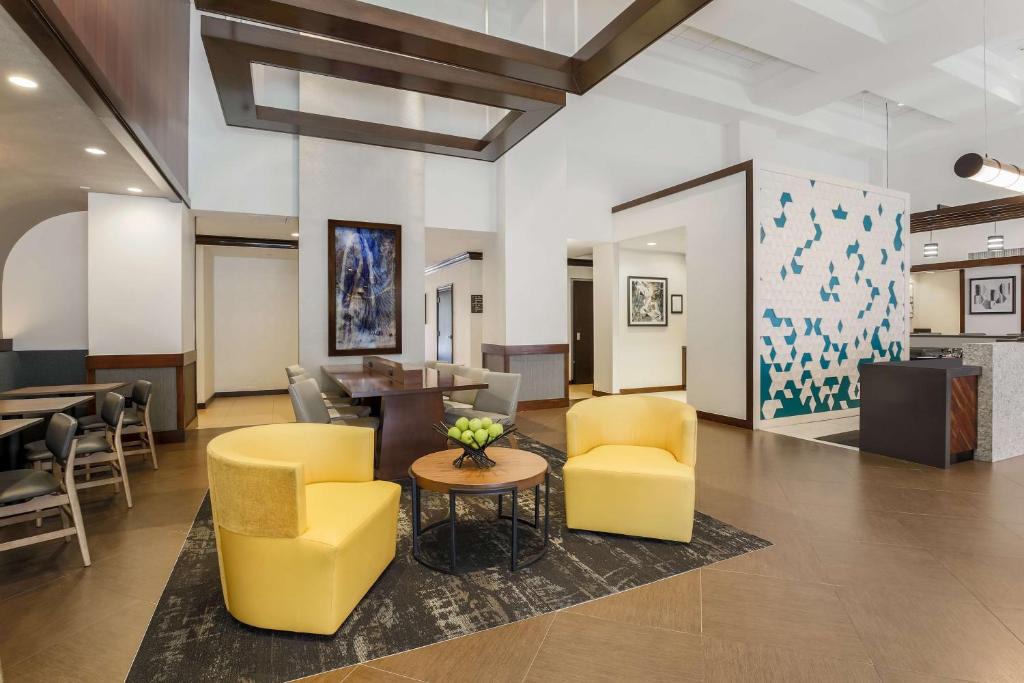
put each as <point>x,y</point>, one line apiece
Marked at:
<point>407,410</point>
<point>63,390</point>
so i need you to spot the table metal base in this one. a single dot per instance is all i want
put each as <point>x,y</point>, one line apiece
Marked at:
<point>451,520</point>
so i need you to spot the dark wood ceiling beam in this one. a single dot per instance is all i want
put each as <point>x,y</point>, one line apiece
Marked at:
<point>636,27</point>
<point>232,47</point>
<point>1005,209</point>
<point>367,24</point>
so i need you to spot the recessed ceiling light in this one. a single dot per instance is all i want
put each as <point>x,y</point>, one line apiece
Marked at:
<point>295,234</point>
<point>900,104</point>
<point>136,190</point>
<point>84,187</point>
<point>95,151</point>
<point>652,244</point>
<point>23,82</point>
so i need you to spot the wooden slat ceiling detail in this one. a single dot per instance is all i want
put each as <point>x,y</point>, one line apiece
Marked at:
<point>1004,209</point>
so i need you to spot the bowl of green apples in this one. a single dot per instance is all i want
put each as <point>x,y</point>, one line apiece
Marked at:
<point>473,436</point>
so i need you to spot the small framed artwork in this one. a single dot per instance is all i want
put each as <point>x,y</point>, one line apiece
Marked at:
<point>647,298</point>
<point>993,295</point>
<point>676,305</point>
<point>364,288</point>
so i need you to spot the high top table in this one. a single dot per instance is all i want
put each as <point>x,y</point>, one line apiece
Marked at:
<point>408,399</point>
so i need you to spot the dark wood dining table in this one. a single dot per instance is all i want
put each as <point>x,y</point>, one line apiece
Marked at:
<point>63,390</point>
<point>408,399</point>
<point>10,431</point>
<point>34,407</point>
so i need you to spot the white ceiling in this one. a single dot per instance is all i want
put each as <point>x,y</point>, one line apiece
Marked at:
<point>442,243</point>
<point>825,68</point>
<point>672,240</point>
<point>246,225</point>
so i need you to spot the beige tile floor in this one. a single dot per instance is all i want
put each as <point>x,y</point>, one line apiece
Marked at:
<point>242,411</point>
<point>881,571</point>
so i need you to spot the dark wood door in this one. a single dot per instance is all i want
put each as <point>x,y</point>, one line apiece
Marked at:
<point>582,332</point>
<point>445,321</point>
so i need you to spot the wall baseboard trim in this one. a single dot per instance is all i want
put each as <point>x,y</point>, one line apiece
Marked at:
<point>724,419</point>
<point>595,392</point>
<point>234,394</point>
<point>653,390</point>
<point>544,403</point>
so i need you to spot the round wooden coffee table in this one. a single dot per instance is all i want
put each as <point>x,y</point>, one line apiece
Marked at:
<point>514,471</point>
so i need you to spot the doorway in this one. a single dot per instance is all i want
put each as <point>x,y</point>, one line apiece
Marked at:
<point>445,321</point>
<point>582,332</point>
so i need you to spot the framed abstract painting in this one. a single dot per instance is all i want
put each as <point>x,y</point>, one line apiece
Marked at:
<point>647,298</point>
<point>364,298</point>
<point>993,295</point>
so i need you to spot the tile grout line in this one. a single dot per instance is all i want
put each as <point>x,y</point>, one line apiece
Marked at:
<point>536,652</point>
<point>368,666</point>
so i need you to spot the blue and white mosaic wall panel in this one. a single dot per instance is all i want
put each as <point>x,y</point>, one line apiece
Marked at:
<point>832,291</point>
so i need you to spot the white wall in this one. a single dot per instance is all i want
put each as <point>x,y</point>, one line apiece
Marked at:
<point>936,301</point>
<point>650,356</point>
<point>137,255</point>
<point>45,283</point>
<point>255,312</point>
<point>991,323</point>
<point>466,278</point>
<point>239,169</point>
<point>714,216</point>
<point>205,379</point>
<point>342,180</point>
<point>606,303</point>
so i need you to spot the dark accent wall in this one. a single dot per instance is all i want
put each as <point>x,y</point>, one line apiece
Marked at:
<point>41,368</point>
<point>141,49</point>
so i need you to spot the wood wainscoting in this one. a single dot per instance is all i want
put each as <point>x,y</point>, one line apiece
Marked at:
<point>174,385</point>
<point>537,390</point>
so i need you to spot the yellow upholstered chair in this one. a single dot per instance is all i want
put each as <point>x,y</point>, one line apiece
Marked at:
<point>303,531</point>
<point>630,467</point>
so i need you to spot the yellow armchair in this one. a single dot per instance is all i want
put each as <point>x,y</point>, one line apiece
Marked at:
<point>630,466</point>
<point>303,531</point>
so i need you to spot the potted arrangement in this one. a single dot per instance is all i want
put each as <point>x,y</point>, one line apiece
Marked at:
<point>473,436</point>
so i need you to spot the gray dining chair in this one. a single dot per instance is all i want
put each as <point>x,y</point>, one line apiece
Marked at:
<point>26,494</point>
<point>332,400</point>
<point>464,398</point>
<point>136,421</point>
<point>93,449</point>
<point>499,401</point>
<point>309,407</point>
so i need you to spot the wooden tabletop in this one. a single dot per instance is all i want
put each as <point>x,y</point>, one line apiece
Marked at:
<point>10,407</point>
<point>62,390</point>
<point>359,383</point>
<point>521,469</point>
<point>8,427</point>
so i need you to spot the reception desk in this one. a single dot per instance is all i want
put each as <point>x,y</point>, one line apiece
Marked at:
<point>924,411</point>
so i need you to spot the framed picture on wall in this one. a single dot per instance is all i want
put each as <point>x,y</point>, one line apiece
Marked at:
<point>993,295</point>
<point>676,305</point>
<point>364,297</point>
<point>647,299</point>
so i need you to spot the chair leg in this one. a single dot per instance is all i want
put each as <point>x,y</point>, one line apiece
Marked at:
<point>64,522</point>
<point>152,445</point>
<point>124,476</point>
<point>76,515</point>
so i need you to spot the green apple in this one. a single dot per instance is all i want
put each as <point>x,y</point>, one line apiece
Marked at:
<point>486,423</point>
<point>462,423</point>
<point>475,424</point>
<point>495,430</point>
<point>467,437</point>
<point>455,433</point>
<point>481,436</point>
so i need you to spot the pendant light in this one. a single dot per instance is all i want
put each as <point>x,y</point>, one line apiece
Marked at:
<point>931,249</point>
<point>985,169</point>
<point>995,241</point>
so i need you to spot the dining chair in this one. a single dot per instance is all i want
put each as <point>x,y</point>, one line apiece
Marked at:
<point>94,449</point>
<point>343,404</point>
<point>25,494</point>
<point>136,421</point>
<point>308,407</point>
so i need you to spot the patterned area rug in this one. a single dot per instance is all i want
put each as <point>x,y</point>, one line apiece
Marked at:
<point>193,638</point>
